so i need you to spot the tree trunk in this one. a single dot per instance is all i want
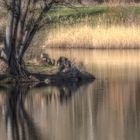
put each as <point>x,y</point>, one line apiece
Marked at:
<point>22,25</point>
<point>11,65</point>
<point>9,59</point>
<point>16,68</point>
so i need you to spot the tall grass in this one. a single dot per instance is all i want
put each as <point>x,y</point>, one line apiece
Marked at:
<point>98,37</point>
<point>103,26</point>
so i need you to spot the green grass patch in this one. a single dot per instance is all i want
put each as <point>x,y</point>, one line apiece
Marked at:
<point>77,11</point>
<point>95,15</point>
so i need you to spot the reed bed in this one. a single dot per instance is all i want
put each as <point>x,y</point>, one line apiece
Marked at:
<point>99,37</point>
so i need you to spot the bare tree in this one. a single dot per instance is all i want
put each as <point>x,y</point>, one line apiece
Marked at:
<point>25,18</point>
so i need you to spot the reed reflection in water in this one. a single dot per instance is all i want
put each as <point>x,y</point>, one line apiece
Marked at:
<point>107,109</point>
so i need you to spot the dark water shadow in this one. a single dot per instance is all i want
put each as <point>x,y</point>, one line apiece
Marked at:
<point>19,124</point>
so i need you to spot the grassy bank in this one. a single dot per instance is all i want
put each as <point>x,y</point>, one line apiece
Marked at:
<point>99,37</point>
<point>98,26</point>
<point>95,15</point>
<point>101,26</point>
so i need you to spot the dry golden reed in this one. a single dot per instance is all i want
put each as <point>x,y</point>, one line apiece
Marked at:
<point>99,37</point>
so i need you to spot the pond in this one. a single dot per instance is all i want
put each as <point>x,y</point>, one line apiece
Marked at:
<point>105,109</point>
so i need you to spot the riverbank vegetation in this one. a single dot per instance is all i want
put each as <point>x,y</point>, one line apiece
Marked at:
<point>23,21</point>
<point>98,26</point>
<point>98,37</point>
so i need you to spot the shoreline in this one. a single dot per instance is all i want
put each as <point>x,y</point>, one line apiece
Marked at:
<point>100,49</point>
<point>48,79</point>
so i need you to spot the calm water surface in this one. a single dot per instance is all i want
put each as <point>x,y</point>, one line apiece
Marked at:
<point>106,109</point>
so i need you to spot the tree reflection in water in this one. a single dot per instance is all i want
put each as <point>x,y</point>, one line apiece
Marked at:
<point>19,124</point>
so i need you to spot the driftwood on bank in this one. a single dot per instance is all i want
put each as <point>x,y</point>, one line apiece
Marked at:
<point>67,72</point>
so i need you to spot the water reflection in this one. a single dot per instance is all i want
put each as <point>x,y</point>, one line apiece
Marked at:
<point>16,102</point>
<point>19,125</point>
<point>107,109</point>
